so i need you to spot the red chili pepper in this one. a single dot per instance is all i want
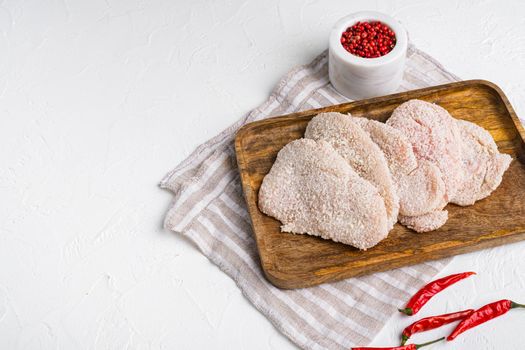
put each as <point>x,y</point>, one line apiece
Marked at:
<point>427,292</point>
<point>405,347</point>
<point>482,315</point>
<point>433,322</point>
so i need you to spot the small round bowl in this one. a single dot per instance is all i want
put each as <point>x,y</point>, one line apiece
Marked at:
<point>357,77</point>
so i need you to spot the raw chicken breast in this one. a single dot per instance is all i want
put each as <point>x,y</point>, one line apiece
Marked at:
<point>394,144</point>
<point>422,191</point>
<point>435,137</point>
<point>481,161</point>
<point>424,223</point>
<point>420,188</point>
<point>358,149</point>
<point>312,189</point>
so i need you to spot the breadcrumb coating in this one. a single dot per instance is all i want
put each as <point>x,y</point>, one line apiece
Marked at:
<point>311,189</point>
<point>358,149</point>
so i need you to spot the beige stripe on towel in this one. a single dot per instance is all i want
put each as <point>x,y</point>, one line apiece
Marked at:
<point>209,209</point>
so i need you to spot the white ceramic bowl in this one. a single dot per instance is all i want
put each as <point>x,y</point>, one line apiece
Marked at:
<point>357,77</point>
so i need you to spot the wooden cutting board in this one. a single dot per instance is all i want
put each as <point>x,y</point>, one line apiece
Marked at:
<point>296,261</point>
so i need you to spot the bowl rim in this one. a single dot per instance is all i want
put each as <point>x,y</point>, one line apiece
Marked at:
<point>342,24</point>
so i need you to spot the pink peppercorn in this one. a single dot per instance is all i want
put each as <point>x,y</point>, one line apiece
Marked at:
<point>368,39</point>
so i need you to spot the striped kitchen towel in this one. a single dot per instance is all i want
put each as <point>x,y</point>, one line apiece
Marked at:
<point>208,207</point>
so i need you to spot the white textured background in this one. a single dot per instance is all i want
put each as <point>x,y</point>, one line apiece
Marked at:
<point>99,98</point>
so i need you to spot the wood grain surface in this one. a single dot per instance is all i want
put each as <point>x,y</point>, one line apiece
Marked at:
<point>296,261</point>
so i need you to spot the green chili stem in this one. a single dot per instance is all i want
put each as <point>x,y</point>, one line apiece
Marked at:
<point>418,346</point>
<point>404,339</point>
<point>407,311</point>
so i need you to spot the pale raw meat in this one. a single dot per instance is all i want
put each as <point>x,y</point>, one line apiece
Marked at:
<point>420,188</point>
<point>312,189</point>
<point>482,163</point>
<point>358,149</point>
<point>422,191</point>
<point>424,223</point>
<point>394,144</point>
<point>351,178</point>
<point>435,137</point>
<point>494,175</point>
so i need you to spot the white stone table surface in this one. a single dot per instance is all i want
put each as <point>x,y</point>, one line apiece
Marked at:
<point>100,98</point>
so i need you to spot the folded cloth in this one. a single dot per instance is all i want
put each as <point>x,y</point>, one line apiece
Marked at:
<point>209,209</point>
